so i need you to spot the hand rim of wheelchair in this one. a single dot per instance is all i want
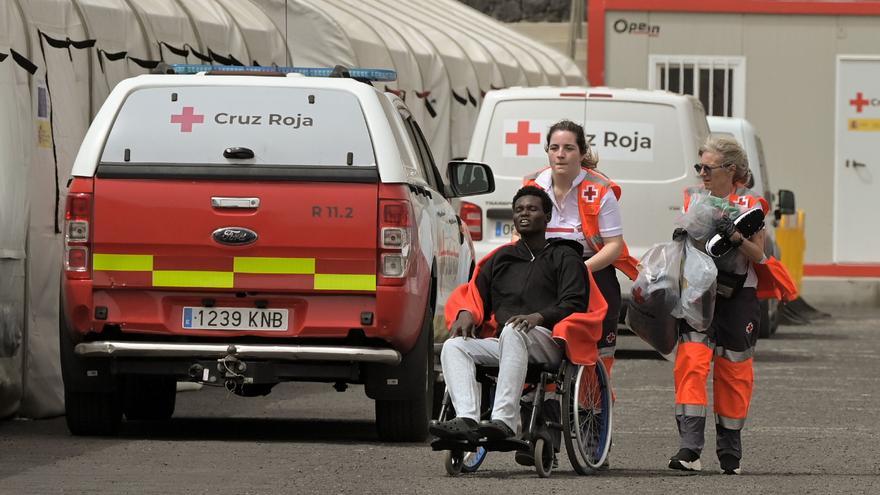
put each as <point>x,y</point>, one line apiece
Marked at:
<point>586,451</point>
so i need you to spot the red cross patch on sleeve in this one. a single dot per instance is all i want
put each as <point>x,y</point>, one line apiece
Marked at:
<point>590,193</point>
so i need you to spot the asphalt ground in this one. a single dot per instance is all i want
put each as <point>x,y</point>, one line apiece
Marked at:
<point>813,428</point>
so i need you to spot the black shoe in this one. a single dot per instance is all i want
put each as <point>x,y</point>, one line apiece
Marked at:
<point>454,429</point>
<point>747,224</point>
<point>685,460</point>
<point>729,464</point>
<point>495,429</point>
<point>524,458</point>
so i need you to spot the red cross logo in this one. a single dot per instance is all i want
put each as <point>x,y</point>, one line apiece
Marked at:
<point>859,102</point>
<point>750,327</point>
<point>187,118</point>
<point>590,193</point>
<point>743,200</point>
<point>522,138</point>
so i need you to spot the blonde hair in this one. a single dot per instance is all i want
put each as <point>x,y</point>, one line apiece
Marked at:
<point>591,160</point>
<point>731,153</point>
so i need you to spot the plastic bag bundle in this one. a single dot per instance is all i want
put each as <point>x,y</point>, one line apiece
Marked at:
<point>655,296</point>
<point>703,212</point>
<point>699,274</point>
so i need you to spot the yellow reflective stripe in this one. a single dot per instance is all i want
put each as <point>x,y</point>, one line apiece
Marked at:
<point>184,278</point>
<point>326,281</point>
<point>278,266</point>
<point>123,262</point>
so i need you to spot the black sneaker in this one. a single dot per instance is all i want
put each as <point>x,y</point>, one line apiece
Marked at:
<point>685,460</point>
<point>729,464</point>
<point>454,429</point>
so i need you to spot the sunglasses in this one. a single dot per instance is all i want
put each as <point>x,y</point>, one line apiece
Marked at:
<point>699,167</point>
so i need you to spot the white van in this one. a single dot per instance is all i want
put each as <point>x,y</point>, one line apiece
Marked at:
<point>780,204</point>
<point>647,141</point>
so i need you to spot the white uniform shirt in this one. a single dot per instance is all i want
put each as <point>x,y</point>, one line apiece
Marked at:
<point>566,220</point>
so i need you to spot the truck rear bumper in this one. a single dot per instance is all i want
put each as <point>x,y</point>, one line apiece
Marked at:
<point>201,350</point>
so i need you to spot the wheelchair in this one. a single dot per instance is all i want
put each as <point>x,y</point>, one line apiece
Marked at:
<point>585,426</point>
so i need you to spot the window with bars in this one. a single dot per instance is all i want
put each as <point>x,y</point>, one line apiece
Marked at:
<point>719,82</point>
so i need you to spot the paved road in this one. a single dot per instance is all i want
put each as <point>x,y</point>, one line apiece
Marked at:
<point>814,429</point>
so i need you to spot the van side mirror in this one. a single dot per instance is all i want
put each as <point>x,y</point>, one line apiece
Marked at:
<point>785,205</point>
<point>470,178</point>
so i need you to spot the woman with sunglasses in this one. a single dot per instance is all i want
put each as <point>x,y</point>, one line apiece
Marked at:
<point>724,171</point>
<point>585,209</point>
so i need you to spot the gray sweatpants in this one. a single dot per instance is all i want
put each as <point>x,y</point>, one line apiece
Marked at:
<point>512,353</point>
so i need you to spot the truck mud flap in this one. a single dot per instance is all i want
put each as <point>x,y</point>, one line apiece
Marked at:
<point>406,380</point>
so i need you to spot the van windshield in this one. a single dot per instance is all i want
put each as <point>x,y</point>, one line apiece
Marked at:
<point>635,141</point>
<point>282,127</point>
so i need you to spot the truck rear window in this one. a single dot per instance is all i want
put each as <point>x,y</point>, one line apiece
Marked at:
<point>283,128</point>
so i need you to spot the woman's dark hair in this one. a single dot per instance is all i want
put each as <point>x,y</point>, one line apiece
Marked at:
<point>546,203</point>
<point>590,161</point>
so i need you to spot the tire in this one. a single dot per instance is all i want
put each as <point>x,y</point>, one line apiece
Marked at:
<point>87,412</point>
<point>407,420</point>
<point>149,397</point>
<point>453,462</point>
<point>586,416</point>
<point>543,453</point>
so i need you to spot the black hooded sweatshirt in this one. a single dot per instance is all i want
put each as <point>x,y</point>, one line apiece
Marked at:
<point>554,284</point>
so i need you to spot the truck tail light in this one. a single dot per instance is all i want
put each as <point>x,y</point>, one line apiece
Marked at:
<point>395,240</point>
<point>472,216</point>
<point>78,235</point>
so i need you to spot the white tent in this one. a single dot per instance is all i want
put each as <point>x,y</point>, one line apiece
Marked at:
<point>409,75</point>
<point>117,33</point>
<point>62,103</point>
<point>218,34</point>
<point>170,32</point>
<point>559,68</point>
<point>16,142</point>
<point>264,41</point>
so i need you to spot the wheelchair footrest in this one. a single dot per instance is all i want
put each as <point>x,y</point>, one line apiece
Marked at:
<point>507,445</point>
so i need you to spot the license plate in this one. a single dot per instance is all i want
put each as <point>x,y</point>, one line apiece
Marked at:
<point>272,320</point>
<point>503,230</point>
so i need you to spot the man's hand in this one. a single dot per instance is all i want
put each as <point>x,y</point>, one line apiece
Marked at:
<point>525,322</point>
<point>463,325</point>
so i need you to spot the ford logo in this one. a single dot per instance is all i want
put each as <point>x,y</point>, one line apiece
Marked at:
<point>234,236</point>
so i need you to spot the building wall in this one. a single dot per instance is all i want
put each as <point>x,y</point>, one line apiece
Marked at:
<point>790,88</point>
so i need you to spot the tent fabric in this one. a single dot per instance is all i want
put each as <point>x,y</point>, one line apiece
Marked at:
<point>117,33</point>
<point>170,32</point>
<point>313,38</point>
<point>264,42</point>
<point>460,72</point>
<point>218,34</point>
<point>62,97</point>
<point>16,141</point>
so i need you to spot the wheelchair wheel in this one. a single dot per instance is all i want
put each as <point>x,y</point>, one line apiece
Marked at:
<point>471,460</point>
<point>586,416</point>
<point>454,462</point>
<point>543,452</point>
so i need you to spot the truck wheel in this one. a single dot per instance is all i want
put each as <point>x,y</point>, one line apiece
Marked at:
<point>407,420</point>
<point>149,397</point>
<point>89,410</point>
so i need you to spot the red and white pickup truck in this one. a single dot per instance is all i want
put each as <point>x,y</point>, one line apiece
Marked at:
<point>241,230</point>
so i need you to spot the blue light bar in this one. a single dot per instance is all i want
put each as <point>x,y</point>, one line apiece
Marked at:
<point>369,74</point>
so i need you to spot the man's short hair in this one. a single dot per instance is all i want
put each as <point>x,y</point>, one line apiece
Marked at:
<point>546,203</point>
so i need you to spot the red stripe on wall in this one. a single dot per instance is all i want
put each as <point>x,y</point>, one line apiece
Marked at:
<point>360,267</point>
<point>194,263</point>
<point>596,12</point>
<point>847,271</point>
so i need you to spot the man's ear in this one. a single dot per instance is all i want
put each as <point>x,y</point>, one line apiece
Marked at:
<point>548,217</point>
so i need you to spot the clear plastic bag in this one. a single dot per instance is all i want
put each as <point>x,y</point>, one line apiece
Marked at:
<point>655,296</point>
<point>698,283</point>
<point>703,212</point>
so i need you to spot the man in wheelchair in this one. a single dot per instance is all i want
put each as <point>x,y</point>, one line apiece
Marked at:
<point>531,286</point>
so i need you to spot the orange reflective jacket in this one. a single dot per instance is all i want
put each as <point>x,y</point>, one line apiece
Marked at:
<point>774,281</point>
<point>590,193</point>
